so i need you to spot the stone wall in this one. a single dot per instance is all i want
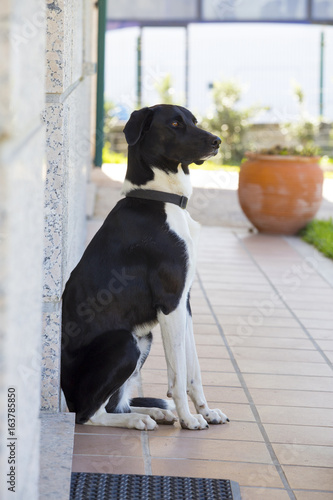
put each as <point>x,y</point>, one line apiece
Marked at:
<point>67,117</point>
<point>22,174</point>
<point>45,158</point>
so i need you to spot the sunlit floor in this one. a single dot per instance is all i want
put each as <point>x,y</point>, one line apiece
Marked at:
<point>263,319</point>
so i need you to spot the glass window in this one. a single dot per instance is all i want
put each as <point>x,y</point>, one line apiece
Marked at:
<point>265,10</point>
<point>322,10</point>
<point>151,10</point>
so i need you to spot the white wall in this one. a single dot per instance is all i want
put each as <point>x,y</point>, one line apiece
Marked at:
<point>45,157</point>
<point>22,175</point>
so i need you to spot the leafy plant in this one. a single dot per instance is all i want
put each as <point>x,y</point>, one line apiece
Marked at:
<point>303,131</point>
<point>229,121</point>
<point>320,234</point>
<point>110,120</point>
<point>109,156</point>
<point>165,90</point>
<point>310,150</point>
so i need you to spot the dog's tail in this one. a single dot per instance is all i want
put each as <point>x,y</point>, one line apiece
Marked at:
<point>164,404</point>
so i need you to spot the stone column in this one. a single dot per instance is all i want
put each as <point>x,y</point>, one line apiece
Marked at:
<point>22,174</point>
<point>68,147</point>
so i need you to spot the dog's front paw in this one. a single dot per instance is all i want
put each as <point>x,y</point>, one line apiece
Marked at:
<point>194,422</point>
<point>215,416</point>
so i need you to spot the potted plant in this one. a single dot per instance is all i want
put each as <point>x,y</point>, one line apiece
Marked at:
<point>280,190</point>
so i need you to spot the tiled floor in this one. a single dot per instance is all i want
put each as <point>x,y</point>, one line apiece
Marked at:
<point>263,321</point>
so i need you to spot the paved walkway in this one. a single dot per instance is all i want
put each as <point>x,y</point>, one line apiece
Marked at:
<point>263,321</point>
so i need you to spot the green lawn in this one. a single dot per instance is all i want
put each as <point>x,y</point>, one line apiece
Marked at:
<point>320,234</point>
<point>112,157</point>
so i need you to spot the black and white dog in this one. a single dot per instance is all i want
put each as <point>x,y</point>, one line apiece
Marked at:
<point>137,272</point>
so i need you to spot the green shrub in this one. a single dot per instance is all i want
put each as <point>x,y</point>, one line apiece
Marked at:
<point>305,129</point>
<point>320,234</point>
<point>109,156</point>
<point>228,121</point>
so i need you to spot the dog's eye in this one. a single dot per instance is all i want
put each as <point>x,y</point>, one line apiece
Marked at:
<point>175,124</point>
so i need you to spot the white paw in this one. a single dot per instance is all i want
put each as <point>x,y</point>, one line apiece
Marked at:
<point>143,423</point>
<point>214,416</point>
<point>165,417</point>
<point>194,422</point>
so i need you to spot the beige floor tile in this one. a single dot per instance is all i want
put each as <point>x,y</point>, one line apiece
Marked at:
<point>237,287</point>
<point>207,449</point>
<point>304,313</point>
<point>305,434</point>
<point>238,412</point>
<point>309,478</point>
<point>263,494</point>
<point>149,376</point>
<point>220,395</point>
<point>233,431</point>
<point>319,334</point>
<point>323,324</point>
<point>96,429</point>
<point>202,319</point>
<point>108,444</point>
<point>309,399</point>
<point>199,307</point>
<point>284,368</point>
<point>257,318</point>
<point>155,362</point>
<point>292,382</point>
<point>244,312</point>
<point>306,455</point>
<point>295,416</point>
<point>220,379</point>
<point>230,300</point>
<point>243,473</point>
<point>313,495</point>
<point>215,379</point>
<point>212,351</point>
<point>329,354</point>
<point>204,351</point>
<point>216,365</point>
<point>294,303</point>
<point>108,464</point>
<point>263,331</point>
<point>269,342</point>
<point>293,355</point>
<point>326,345</point>
<point>207,335</point>
<point>156,390</point>
<point>225,394</point>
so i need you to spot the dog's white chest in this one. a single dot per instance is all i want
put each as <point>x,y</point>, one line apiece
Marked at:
<point>181,223</point>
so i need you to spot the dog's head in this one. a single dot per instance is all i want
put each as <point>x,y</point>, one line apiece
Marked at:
<point>165,136</point>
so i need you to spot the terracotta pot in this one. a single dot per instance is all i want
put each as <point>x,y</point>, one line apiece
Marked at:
<point>280,194</point>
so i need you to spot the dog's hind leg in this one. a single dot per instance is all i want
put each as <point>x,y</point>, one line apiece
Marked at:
<point>127,420</point>
<point>158,409</point>
<point>96,378</point>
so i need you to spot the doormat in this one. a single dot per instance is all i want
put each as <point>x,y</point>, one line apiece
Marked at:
<point>91,486</point>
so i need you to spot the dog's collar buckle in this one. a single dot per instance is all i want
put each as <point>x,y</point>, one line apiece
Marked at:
<point>183,202</point>
<point>149,194</point>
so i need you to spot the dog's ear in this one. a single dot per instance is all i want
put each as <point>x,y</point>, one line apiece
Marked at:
<point>138,123</point>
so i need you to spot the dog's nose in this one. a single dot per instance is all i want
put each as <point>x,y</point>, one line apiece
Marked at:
<point>216,141</point>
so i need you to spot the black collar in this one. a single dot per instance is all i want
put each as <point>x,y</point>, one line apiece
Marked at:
<point>149,194</point>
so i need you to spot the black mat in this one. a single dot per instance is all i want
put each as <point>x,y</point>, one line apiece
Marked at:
<point>88,486</point>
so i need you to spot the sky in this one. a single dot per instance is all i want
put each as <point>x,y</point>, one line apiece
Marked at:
<point>264,58</point>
